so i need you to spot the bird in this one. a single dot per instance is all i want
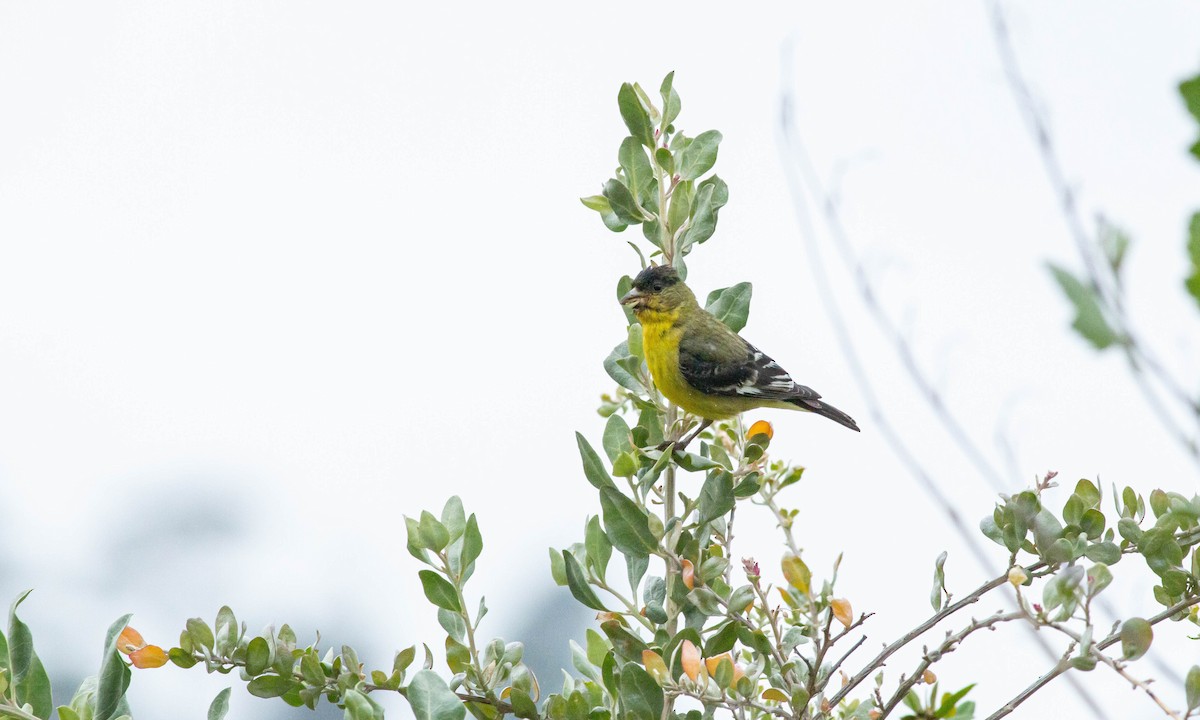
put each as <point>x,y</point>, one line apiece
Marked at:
<point>703,366</point>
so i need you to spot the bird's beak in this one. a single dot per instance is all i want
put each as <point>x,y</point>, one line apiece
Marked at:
<point>632,296</point>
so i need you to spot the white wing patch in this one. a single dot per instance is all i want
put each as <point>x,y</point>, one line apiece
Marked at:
<point>770,380</point>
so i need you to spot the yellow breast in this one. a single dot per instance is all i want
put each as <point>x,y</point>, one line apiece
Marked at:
<point>660,343</point>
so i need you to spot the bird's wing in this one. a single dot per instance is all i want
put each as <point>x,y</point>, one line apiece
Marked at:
<point>722,363</point>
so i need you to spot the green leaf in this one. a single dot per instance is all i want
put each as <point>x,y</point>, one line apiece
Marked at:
<point>593,467</point>
<point>1103,552</point>
<point>670,98</point>
<point>523,707</point>
<point>635,569</point>
<point>180,658</point>
<point>439,591</point>
<point>454,518</point>
<point>1190,90</point>
<point>432,699</point>
<point>472,546</point>
<point>636,118</point>
<point>616,437</point>
<point>716,496</point>
<point>599,203</point>
<point>705,600</point>
<point>641,697</point>
<point>939,582</point>
<point>614,365</point>
<point>1089,322</point>
<point>1161,550</point>
<point>434,534</point>
<point>680,205</point>
<point>577,582</point>
<point>627,525</point>
<point>360,707</point>
<point>664,159</point>
<point>269,686</point>
<point>1193,246</point>
<point>1192,687</point>
<point>624,205</point>
<point>625,643</point>
<point>226,637</point>
<point>633,160</point>
<point>258,656</point>
<point>723,640</point>
<point>1136,636</point>
<point>731,305</point>
<point>797,573</point>
<point>1092,523</point>
<point>219,706</point>
<point>114,676</point>
<point>66,713</point>
<point>700,155</point>
<point>201,633</point>
<point>709,198</point>
<point>599,548</point>
<point>558,570</point>
<point>30,684</point>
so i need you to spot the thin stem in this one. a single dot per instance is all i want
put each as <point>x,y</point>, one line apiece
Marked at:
<point>12,711</point>
<point>949,645</point>
<point>466,616</point>
<point>916,632</point>
<point>630,609</point>
<point>1118,668</point>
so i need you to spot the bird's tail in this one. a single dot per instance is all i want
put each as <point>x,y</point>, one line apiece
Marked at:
<point>826,410</point>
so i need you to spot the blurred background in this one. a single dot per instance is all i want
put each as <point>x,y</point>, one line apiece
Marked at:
<point>275,274</point>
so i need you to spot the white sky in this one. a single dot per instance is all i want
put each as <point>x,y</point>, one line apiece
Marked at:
<point>274,274</point>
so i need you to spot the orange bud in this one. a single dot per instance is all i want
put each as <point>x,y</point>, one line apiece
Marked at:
<point>842,611</point>
<point>151,656</point>
<point>689,658</point>
<point>762,427</point>
<point>929,677</point>
<point>689,574</point>
<point>130,640</point>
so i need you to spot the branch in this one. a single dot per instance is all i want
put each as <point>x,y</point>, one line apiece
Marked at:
<point>916,632</point>
<point>949,645</point>
<point>1063,664</point>
<point>1118,668</point>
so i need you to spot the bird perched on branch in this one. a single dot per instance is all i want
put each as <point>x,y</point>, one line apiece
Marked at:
<point>704,367</point>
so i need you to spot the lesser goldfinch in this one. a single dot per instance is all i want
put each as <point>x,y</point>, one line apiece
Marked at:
<point>704,367</point>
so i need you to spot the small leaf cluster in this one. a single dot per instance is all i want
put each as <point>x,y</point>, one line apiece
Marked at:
<point>936,706</point>
<point>273,664</point>
<point>25,685</point>
<point>1022,523</point>
<point>488,681</point>
<point>657,183</point>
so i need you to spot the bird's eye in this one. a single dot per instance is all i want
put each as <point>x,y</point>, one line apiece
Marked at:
<point>657,287</point>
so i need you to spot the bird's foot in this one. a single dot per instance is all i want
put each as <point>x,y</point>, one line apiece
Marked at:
<point>681,445</point>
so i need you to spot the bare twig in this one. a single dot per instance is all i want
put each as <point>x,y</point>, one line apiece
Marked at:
<point>879,660</point>
<point>1119,668</point>
<point>949,645</point>
<point>1064,664</point>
